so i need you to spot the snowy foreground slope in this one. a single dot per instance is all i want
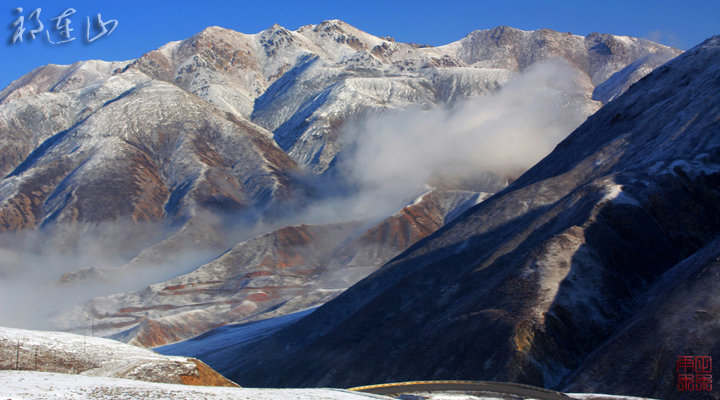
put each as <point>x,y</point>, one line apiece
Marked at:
<point>17,385</point>
<point>91,356</point>
<point>56,365</point>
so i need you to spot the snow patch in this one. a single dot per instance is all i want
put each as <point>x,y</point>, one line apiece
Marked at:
<point>615,194</point>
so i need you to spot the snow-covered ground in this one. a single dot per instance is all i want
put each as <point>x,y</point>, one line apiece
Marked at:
<point>92,356</point>
<point>97,368</point>
<point>17,385</point>
<point>459,396</point>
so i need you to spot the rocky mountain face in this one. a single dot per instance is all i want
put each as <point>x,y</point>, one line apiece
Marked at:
<point>126,147</point>
<point>162,160</point>
<point>604,251</point>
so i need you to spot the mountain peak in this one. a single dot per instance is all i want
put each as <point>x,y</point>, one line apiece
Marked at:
<point>498,30</point>
<point>333,22</point>
<point>505,28</point>
<point>273,29</point>
<point>214,30</point>
<point>713,41</point>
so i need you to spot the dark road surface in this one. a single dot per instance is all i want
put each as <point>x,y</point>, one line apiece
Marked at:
<point>467,386</point>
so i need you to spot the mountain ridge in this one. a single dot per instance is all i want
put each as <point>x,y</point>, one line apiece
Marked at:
<point>247,65</point>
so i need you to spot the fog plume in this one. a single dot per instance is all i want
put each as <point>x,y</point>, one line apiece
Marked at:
<point>34,264</point>
<point>392,157</point>
<point>504,133</point>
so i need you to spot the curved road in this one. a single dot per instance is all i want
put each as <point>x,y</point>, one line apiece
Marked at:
<point>468,386</point>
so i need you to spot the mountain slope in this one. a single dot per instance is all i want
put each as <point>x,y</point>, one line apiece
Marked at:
<point>525,285</point>
<point>286,270</point>
<point>681,311</point>
<point>149,152</point>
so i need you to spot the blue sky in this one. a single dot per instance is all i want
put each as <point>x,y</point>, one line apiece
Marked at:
<point>146,25</point>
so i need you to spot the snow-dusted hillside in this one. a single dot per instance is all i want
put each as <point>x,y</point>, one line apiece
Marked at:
<point>67,353</point>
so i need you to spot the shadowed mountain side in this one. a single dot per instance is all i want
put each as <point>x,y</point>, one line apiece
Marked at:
<point>681,314</point>
<point>525,285</point>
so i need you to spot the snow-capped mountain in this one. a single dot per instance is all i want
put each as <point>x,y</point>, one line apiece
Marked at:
<point>166,151</point>
<point>302,85</point>
<point>608,242</point>
<point>170,159</point>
